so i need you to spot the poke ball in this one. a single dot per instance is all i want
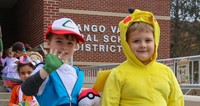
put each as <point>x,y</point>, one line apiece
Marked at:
<point>89,97</point>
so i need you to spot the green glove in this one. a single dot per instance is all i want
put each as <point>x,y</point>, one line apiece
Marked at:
<point>52,63</point>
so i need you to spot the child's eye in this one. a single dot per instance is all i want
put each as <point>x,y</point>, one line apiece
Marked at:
<point>22,73</point>
<point>148,40</point>
<point>135,41</point>
<point>29,72</point>
<point>60,42</point>
<point>70,43</point>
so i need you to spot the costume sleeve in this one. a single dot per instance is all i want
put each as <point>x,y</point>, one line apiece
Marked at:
<point>31,86</point>
<point>176,97</point>
<point>13,96</point>
<point>1,45</point>
<point>112,90</point>
<point>3,61</point>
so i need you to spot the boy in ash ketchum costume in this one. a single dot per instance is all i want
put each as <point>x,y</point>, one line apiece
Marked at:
<point>140,80</point>
<point>57,83</point>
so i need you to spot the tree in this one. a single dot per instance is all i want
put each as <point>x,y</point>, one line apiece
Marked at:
<point>185,25</point>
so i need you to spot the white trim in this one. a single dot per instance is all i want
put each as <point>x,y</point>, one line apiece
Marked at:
<point>86,12</point>
<point>93,63</point>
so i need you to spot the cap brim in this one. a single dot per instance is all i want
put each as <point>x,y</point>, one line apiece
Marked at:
<point>61,32</point>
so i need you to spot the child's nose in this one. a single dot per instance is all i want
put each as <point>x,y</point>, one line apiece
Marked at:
<point>143,44</point>
<point>64,48</point>
<point>27,75</point>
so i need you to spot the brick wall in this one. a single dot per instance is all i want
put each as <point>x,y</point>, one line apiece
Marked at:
<point>164,46</point>
<point>119,5</point>
<point>50,12</point>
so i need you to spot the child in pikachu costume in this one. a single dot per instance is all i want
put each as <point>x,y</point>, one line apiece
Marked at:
<point>140,80</point>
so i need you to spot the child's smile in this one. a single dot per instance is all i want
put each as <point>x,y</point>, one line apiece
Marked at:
<point>142,45</point>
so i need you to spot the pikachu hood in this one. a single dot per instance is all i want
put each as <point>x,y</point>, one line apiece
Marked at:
<point>138,16</point>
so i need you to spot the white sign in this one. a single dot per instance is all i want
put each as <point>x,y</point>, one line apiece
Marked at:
<point>183,71</point>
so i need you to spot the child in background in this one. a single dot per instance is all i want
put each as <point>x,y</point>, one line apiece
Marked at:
<point>140,80</point>
<point>57,83</point>
<point>25,68</point>
<point>19,49</point>
<point>9,64</point>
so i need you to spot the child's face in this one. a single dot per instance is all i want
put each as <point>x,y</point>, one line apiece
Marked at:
<point>18,53</point>
<point>25,72</point>
<point>142,45</point>
<point>10,54</point>
<point>62,44</point>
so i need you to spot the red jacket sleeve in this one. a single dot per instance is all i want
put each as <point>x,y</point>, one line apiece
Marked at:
<point>14,96</point>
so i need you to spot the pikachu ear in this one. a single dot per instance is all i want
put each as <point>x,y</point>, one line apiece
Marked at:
<point>131,10</point>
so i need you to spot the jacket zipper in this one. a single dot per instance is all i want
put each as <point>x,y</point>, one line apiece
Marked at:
<point>70,98</point>
<point>73,88</point>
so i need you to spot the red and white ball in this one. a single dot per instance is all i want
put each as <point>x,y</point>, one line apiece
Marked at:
<point>89,97</point>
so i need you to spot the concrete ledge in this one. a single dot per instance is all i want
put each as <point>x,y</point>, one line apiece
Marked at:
<point>192,100</point>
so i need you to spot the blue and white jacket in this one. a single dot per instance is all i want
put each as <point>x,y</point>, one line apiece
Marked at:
<point>62,87</point>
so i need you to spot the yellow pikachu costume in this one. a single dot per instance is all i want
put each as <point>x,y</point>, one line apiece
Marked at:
<point>135,84</point>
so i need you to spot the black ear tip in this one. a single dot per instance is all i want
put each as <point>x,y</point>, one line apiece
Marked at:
<point>131,10</point>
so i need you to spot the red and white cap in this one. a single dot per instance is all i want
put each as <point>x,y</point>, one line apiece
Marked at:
<point>64,26</point>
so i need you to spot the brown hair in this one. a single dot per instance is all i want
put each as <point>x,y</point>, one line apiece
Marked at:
<point>20,65</point>
<point>140,26</point>
<point>67,36</point>
<point>18,46</point>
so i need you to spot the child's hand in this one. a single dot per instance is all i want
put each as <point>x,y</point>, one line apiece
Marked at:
<point>52,61</point>
<point>16,62</point>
